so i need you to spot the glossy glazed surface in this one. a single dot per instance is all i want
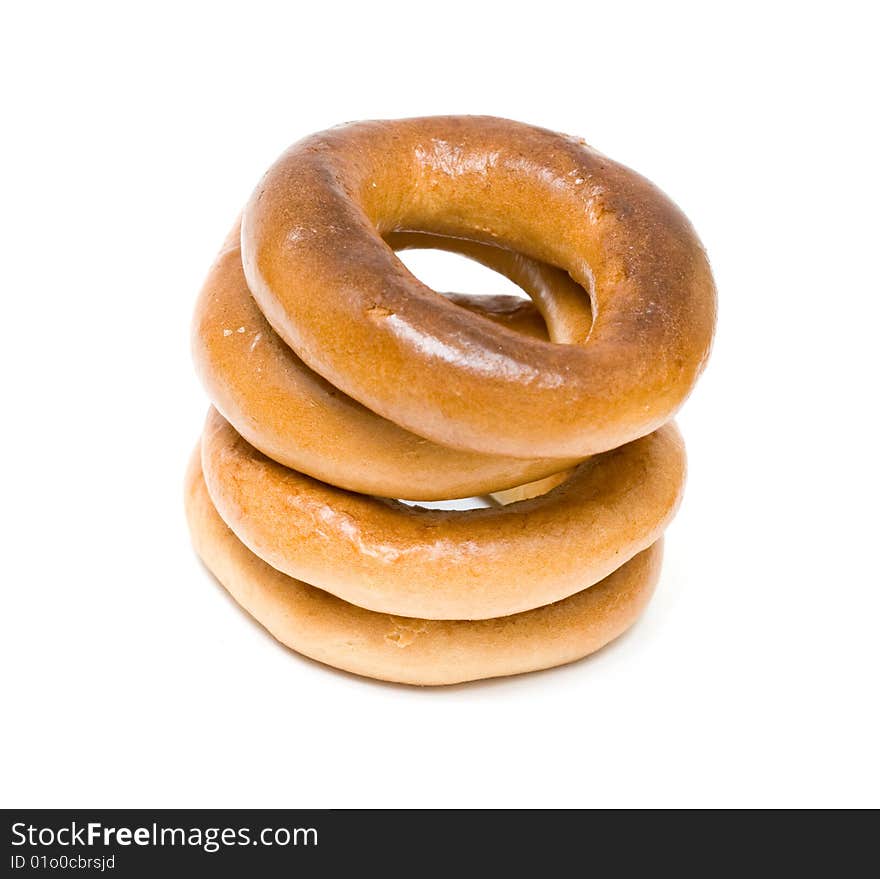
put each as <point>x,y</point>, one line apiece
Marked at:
<point>317,264</point>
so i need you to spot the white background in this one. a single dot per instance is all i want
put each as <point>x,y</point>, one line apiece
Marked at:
<point>132,140</point>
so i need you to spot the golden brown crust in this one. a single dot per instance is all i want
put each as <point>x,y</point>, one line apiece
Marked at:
<point>414,651</point>
<point>331,286</point>
<point>345,383</point>
<point>447,564</point>
<point>288,411</point>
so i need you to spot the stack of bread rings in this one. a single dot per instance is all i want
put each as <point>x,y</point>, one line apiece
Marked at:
<point>342,384</point>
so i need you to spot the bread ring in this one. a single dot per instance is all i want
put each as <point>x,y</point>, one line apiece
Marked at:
<point>440,564</point>
<point>288,411</point>
<point>316,263</point>
<point>342,383</point>
<point>413,651</point>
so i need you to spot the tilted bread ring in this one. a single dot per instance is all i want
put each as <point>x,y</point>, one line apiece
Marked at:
<point>332,288</point>
<point>343,383</point>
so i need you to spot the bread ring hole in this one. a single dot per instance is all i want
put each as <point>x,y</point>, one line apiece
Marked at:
<point>502,498</point>
<point>525,295</point>
<point>448,272</point>
<point>466,503</point>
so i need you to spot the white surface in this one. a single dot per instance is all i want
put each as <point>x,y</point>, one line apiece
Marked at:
<point>132,140</point>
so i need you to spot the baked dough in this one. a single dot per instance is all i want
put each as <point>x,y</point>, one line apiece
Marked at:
<point>319,268</point>
<point>413,651</point>
<point>289,412</point>
<point>341,384</point>
<point>447,564</point>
